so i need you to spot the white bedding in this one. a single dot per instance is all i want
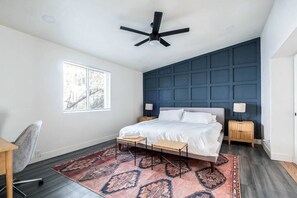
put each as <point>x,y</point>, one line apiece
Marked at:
<point>202,138</point>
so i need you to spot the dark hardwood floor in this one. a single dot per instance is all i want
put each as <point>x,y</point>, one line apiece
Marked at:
<point>259,176</point>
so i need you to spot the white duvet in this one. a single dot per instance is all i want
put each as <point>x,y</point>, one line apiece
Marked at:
<point>201,138</point>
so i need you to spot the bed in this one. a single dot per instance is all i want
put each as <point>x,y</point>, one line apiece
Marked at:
<point>204,140</point>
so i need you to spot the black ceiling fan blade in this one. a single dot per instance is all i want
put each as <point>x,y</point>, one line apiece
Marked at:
<point>157,22</point>
<point>132,30</point>
<point>141,42</point>
<point>163,42</point>
<point>179,31</point>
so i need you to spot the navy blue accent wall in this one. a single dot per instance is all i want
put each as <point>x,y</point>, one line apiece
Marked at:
<point>216,79</point>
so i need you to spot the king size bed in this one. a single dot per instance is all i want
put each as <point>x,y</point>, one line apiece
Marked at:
<point>204,139</point>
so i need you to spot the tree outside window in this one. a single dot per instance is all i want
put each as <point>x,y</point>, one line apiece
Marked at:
<point>85,89</point>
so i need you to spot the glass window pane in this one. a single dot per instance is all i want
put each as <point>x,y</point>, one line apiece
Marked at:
<point>75,89</point>
<point>96,89</point>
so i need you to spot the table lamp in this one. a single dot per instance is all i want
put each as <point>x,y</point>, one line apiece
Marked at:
<point>148,108</point>
<point>240,109</point>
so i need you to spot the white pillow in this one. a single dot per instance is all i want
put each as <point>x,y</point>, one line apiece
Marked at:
<point>197,117</point>
<point>171,115</point>
<point>213,118</point>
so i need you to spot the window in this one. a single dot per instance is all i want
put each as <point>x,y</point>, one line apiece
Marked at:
<point>85,88</point>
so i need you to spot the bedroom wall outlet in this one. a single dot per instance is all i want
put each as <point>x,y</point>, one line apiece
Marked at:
<point>37,154</point>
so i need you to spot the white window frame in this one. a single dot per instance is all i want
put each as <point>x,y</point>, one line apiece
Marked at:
<point>107,95</point>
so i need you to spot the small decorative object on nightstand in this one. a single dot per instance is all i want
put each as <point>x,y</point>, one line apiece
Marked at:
<point>241,131</point>
<point>146,118</point>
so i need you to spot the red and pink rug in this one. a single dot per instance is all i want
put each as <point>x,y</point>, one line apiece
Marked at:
<point>103,174</point>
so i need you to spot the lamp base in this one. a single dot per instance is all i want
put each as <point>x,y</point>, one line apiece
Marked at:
<point>239,118</point>
<point>148,113</point>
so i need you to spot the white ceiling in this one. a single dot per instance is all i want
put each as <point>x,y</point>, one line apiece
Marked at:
<point>92,26</point>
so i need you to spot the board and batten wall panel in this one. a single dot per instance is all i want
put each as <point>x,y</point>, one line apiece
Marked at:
<point>216,79</point>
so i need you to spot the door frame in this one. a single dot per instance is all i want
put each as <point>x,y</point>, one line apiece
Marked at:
<point>295,109</point>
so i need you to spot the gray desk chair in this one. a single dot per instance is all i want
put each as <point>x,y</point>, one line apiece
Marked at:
<point>23,155</point>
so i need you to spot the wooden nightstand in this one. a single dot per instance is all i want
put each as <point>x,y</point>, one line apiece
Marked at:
<point>146,118</point>
<point>241,131</point>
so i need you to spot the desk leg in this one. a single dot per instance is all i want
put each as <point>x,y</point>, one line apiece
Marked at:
<point>9,173</point>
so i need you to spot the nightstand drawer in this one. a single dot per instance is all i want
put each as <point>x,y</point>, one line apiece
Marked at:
<point>241,126</point>
<point>241,135</point>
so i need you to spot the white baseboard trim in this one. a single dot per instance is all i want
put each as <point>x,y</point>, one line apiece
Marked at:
<point>68,149</point>
<point>276,156</point>
<point>256,141</point>
<point>266,148</point>
<point>281,157</point>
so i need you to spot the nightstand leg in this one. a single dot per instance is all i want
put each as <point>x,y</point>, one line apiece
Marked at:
<point>253,145</point>
<point>229,141</point>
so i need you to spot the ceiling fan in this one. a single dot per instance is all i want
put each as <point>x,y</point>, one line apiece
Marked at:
<point>155,36</point>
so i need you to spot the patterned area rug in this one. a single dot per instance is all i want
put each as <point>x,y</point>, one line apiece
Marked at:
<point>103,174</point>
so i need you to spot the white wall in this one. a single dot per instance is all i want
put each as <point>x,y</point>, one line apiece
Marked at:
<point>282,108</point>
<point>277,81</point>
<point>31,88</point>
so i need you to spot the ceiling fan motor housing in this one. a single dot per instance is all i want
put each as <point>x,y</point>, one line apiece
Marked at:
<point>154,37</point>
